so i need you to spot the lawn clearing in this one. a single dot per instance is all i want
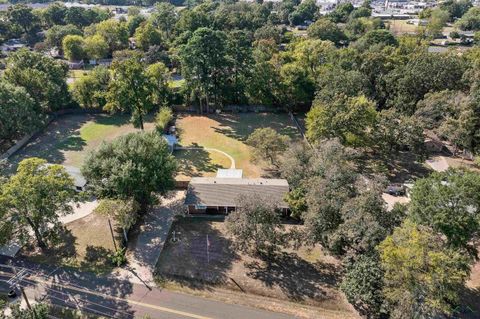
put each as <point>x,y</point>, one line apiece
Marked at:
<point>304,281</point>
<point>227,133</point>
<point>69,139</point>
<point>85,244</point>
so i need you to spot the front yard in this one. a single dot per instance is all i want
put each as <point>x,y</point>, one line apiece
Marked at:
<point>201,261</point>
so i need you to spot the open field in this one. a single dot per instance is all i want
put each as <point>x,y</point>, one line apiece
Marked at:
<point>226,133</point>
<point>85,243</point>
<point>69,139</point>
<point>306,279</point>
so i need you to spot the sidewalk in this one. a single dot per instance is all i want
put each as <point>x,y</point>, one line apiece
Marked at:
<point>146,249</point>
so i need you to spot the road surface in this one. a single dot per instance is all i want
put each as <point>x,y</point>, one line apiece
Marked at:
<point>114,298</point>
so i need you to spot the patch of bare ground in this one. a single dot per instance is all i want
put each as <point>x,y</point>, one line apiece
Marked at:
<point>303,282</point>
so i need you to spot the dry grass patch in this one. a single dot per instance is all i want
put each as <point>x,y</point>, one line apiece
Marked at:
<point>228,133</point>
<point>304,279</point>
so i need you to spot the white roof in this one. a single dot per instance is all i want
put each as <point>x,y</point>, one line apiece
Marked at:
<point>229,173</point>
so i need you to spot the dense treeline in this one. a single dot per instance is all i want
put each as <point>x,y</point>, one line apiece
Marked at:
<point>364,89</point>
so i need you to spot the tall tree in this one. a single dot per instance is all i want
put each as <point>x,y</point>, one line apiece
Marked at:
<point>449,202</point>
<point>255,226</point>
<point>33,199</point>
<point>422,275</point>
<point>42,77</point>
<point>204,65</point>
<point>90,90</point>
<point>130,90</point>
<point>17,114</point>
<point>268,144</point>
<point>135,166</point>
<point>73,47</point>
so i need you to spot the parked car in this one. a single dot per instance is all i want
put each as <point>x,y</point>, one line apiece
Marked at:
<point>396,189</point>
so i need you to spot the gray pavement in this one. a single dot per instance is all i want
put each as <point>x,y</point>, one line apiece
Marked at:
<point>114,298</point>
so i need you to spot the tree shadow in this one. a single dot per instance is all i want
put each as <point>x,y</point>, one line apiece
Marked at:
<point>60,135</point>
<point>200,258</point>
<point>96,256</point>
<point>195,162</point>
<point>117,120</point>
<point>470,303</point>
<point>297,278</point>
<point>240,126</point>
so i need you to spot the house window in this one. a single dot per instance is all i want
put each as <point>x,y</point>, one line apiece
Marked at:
<point>198,206</point>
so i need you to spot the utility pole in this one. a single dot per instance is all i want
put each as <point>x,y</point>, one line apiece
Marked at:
<point>113,237</point>
<point>15,281</point>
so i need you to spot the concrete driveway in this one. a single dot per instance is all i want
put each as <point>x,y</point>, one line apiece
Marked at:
<point>144,252</point>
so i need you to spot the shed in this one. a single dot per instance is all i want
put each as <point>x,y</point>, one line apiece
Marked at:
<point>219,195</point>
<point>229,173</point>
<point>171,141</point>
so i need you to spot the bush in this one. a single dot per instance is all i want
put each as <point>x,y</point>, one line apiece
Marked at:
<point>163,117</point>
<point>118,258</point>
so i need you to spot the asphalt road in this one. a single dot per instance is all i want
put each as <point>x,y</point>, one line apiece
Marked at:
<point>115,298</point>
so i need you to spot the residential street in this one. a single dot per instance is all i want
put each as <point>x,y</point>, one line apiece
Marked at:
<point>114,298</point>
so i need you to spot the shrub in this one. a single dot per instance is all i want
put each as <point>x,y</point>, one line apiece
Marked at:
<point>163,117</point>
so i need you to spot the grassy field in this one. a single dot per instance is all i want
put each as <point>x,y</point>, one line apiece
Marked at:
<point>85,244</point>
<point>303,283</point>
<point>227,133</point>
<point>69,139</point>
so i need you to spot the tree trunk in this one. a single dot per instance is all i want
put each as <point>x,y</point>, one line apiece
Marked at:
<point>141,122</point>
<point>38,236</point>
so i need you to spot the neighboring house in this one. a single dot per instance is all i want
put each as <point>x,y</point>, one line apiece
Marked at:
<point>214,195</point>
<point>75,65</point>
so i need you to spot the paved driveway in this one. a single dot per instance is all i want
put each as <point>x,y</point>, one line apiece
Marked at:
<point>145,251</point>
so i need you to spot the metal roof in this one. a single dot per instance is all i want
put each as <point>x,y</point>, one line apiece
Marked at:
<point>229,173</point>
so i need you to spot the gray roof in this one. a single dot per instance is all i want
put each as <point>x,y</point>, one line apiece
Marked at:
<point>211,191</point>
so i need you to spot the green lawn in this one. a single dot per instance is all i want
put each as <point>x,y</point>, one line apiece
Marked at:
<point>228,133</point>
<point>69,139</point>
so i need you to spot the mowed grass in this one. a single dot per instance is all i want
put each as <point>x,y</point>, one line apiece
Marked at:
<point>228,133</point>
<point>69,139</point>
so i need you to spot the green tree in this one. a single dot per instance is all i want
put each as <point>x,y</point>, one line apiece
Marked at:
<point>115,33</point>
<point>341,12</point>
<point>22,17</point>
<point>204,65</point>
<point>163,118</point>
<point>268,144</point>
<point>394,131</point>
<point>123,212</point>
<point>449,203</point>
<point>456,8</point>
<point>324,29</point>
<point>54,35</point>
<point>90,90</point>
<point>34,198</point>
<point>363,285</point>
<point>130,90</point>
<point>43,78</point>
<point>159,77</point>
<point>376,37</point>
<point>470,20</point>
<point>255,226</point>
<point>95,47</point>
<point>346,118</point>
<point>306,10</point>
<point>17,114</point>
<point>422,276</point>
<point>164,17</point>
<point>436,22</point>
<point>135,166</point>
<point>147,35</point>
<point>73,47</point>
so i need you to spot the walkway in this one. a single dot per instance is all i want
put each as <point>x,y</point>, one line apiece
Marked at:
<point>144,252</point>
<point>232,160</point>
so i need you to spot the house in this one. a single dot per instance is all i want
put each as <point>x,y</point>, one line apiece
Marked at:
<point>219,195</point>
<point>75,65</point>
